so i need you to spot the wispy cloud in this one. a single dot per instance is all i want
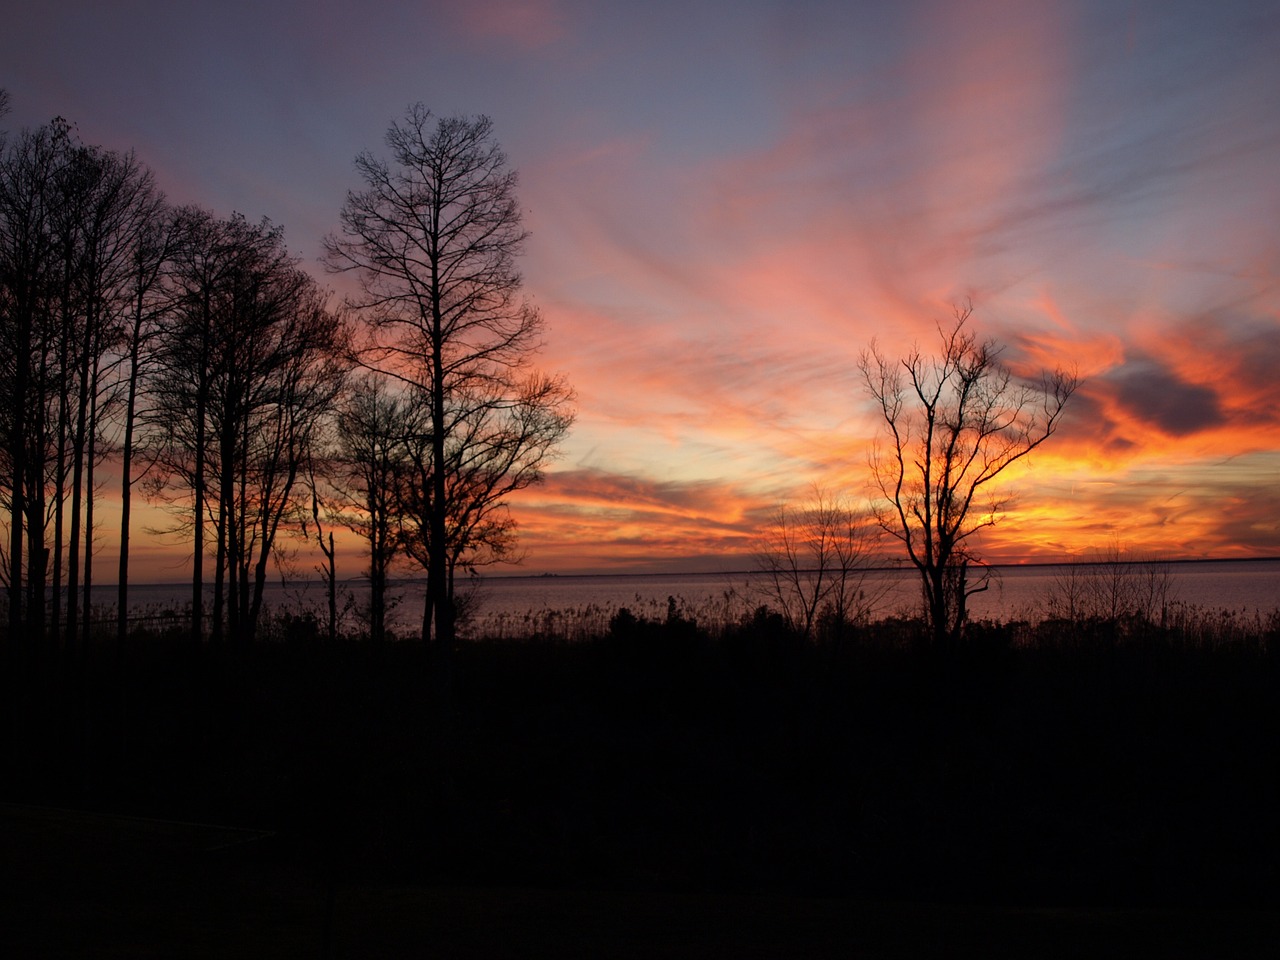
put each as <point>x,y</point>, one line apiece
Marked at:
<point>728,202</point>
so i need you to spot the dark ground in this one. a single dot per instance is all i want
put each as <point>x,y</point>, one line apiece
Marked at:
<point>85,885</point>
<point>653,793</point>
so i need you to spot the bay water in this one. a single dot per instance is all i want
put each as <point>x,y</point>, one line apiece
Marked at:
<point>517,606</point>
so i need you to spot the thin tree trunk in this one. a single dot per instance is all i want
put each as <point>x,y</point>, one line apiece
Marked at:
<point>437,570</point>
<point>34,621</point>
<point>90,497</point>
<point>331,557</point>
<point>220,531</point>
<point>377,596</point>
<point>16,520</point>
<point>18,461</point>
<point>246,621</point>
<point>197,558</point>
<point>77,490</point>
<point>60,486</point>
<point>126,485</point>
<point>37,561</point>
<point>259,576</point>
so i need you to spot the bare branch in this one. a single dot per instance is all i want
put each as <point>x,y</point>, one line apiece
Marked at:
<point>953,423</point>
<point>433,239</point>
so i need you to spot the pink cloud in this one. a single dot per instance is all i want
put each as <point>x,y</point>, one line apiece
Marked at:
<point>528,24</point>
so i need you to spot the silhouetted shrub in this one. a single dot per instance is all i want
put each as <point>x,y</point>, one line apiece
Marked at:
<point>624,623</point>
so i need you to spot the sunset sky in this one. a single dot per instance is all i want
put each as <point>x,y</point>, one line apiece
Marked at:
<point>729,200</point>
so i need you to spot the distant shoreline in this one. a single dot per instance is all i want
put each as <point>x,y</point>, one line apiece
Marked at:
<point>882,568</point>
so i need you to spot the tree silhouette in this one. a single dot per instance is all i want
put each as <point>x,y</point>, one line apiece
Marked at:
<point>113,203</point>
<point>149,307</point>
<point>72,221</point>
<point>814,562</point>
<point>1113,586</point>
<point>369,469</point>
<point>433,240</point>
<point>249,368</point>
<point>29,346</point>
<point>952,423</point>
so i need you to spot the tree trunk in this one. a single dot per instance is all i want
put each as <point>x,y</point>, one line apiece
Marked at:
<point>37,569</point>
<point>18,462</point>
<point>201,411</point>
<point>437,571</point>
<point>126,487</point>
<point>91,453</point>
<point>331,559</point>
<point>78,444</point>
<point>377,597</point>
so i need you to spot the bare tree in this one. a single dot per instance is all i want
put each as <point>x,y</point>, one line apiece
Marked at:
<point>328,569</point>
<point>70,219</point>
<point>249,369</point>
<point>1112,586</point>
<point>204,262</point>
<point>433,239</point>
<point>115,204</point>
<point>149,303</point>
<point>497,445</point>
<point>953,423</point>
<point>28,347</point>
<point>814,565</point>
<point>371,464</point>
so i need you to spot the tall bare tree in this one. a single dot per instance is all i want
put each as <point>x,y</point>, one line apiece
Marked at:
<point>149,304</point>
<point>301,358</point>
<point>70,216</point>
<point>115,205</point>
<point>250,367</point>
<point>953,423</point>
<point>28,343</point>
<point>433,239</point>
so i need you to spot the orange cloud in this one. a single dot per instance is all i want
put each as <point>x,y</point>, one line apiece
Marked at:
<point>608,522</point>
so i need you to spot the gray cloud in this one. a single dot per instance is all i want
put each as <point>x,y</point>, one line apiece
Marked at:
<point>1153,393</point>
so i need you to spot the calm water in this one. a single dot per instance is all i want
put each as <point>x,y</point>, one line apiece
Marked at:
<point>1017,592</point>
<point>513,604</point>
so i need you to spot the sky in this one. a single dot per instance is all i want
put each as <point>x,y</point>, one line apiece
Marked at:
<point>730,200</point>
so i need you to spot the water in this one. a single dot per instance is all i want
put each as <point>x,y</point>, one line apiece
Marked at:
<point>515,605</point>
<point>1015,592</point>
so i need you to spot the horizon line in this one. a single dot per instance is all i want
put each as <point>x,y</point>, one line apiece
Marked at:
<point>878,568</point>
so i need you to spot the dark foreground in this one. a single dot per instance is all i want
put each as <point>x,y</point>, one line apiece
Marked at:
<point>81,885</point>
<point>655,792</point>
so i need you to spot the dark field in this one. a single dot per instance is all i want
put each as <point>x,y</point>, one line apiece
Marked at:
<point>84,885</point>
<point>653,792</point>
